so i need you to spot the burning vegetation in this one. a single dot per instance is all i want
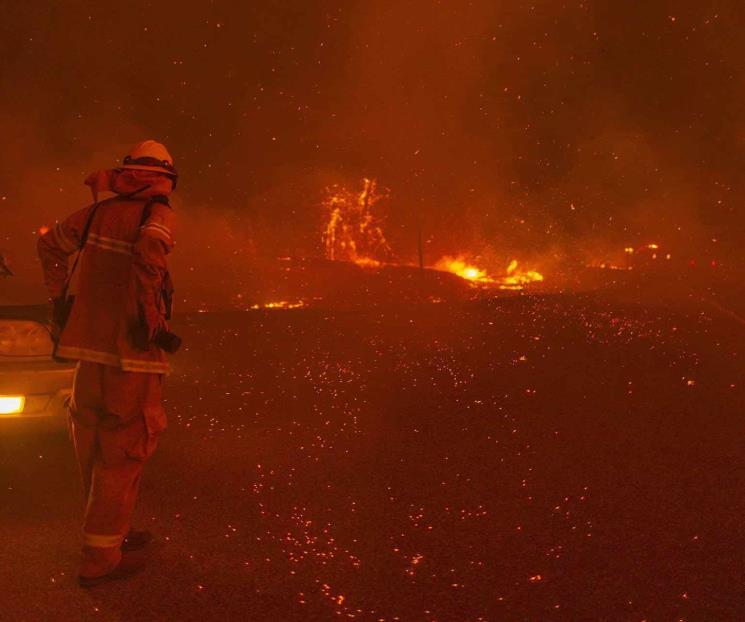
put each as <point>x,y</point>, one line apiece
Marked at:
<point>514,277</point>
<point>354,233</point>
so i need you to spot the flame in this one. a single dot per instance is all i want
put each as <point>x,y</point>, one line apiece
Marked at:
<point>465,270</point>
<point>281,304</point>
<point>517,279</point>
<point>513,279</point>
<point>367,262</point>
<point>353,232</point>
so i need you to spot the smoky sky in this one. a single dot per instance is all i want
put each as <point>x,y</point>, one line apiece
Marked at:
<point>523,126</point>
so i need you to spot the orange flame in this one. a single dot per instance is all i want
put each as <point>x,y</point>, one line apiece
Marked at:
<point>513,279</point>
<point>464,269</point>
<point>518,279</point>
<point>280,304</point>
<point>353,232</point>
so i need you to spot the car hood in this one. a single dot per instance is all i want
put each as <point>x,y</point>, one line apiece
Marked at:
<point>37,313</point>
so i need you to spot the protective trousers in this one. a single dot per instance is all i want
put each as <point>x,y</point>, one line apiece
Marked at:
<point>116,418</point>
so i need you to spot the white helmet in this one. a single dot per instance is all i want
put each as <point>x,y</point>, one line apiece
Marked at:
<point>150,156</point>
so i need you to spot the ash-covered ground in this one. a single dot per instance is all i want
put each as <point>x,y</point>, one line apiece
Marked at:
<point>567,457</point>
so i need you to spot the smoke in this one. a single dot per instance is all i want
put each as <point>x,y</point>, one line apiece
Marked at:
<point>530,129</point>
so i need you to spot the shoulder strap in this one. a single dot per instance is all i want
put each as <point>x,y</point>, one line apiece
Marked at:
<point>83,240</point>
<point>86,230</point>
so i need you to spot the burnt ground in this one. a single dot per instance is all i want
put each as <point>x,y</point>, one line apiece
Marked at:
<point>556,458</point>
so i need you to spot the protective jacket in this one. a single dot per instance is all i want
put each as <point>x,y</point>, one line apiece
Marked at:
<point>119,276</point>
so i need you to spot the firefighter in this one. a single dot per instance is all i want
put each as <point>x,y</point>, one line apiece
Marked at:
<point>118,317</point>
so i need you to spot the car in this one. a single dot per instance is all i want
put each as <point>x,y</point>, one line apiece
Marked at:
<point>34,388</point>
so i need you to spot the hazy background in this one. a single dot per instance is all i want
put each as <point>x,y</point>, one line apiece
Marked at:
<point>538,129</point>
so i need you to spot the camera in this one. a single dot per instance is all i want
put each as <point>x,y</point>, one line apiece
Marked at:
<point>164,339</point>
<point>167,341</point>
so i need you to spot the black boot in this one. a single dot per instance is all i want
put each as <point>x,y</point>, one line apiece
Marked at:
<point>127,567</point>
<point>136,540</point>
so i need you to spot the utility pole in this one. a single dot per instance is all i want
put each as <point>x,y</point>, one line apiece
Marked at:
<point>419,241</point>
<point>418,193</point>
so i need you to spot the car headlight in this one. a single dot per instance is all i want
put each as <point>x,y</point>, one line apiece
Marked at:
<point>11,404</point>
<point>24,338</point>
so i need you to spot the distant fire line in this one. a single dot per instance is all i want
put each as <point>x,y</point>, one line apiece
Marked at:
<point>354,233</point>
<point>513,279</point>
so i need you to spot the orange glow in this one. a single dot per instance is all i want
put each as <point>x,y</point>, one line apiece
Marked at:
<point>518,279</point>
<point>608,266</point>
<point>367,262</point>
<point>354,233</point>
<point>459,266</point>
<point>513,279</point>
<point>281,304</point>
<point>43,230</point>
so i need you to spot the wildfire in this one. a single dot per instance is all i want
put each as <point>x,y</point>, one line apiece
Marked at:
<point>513,279</point>
<point>281,304</point>
<point>465,270</point>
<point>517,279</point>
<point>353,232</point>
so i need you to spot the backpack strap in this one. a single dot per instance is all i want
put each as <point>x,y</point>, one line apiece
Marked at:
<point>86,230</point>
<point>83,240</point>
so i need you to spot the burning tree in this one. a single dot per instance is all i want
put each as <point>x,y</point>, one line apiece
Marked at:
<point>353,231</point>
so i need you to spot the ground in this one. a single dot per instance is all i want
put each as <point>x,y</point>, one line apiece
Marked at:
<point>537,458</point>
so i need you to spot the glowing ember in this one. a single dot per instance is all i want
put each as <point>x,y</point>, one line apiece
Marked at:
<point>643,257</point>
<point>353,232</point>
